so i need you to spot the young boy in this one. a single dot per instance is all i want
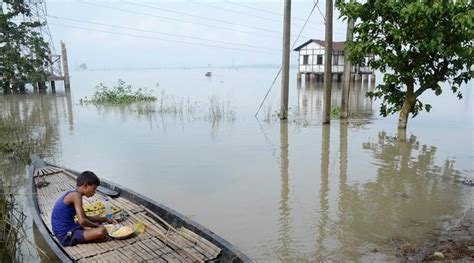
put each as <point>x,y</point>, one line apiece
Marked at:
<point>70,233</point>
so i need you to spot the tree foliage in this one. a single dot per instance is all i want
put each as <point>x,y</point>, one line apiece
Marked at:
<point>24,55</point>
<point>417,44</point>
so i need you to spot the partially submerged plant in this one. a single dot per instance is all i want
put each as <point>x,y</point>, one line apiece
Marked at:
<point>120,94</point>
<point>335,112</point>
<point>18,141</point>
<point>219,110</point>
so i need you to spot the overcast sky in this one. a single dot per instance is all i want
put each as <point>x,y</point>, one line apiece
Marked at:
<point>109,34</point>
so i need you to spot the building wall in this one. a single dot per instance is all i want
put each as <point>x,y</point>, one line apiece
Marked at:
<point>313,50</point>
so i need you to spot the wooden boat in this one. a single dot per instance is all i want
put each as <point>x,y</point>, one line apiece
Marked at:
<point>168,237</point>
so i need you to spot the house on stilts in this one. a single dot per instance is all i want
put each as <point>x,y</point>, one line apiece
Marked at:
<point>311,62</point>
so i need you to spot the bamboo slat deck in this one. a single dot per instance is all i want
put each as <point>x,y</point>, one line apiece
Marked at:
<point>159,243</point>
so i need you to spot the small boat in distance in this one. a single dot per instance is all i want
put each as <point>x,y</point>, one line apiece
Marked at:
<point>208,74</point>
<point>167,235</point>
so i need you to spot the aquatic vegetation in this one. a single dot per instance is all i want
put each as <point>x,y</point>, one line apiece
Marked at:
<point>216,110</point>
<point>164,105</point>
<point>145,109</point>
<point>219,110</point>
<point>18,141</point>
<point>335,112</point>
<point>268,114</point>
<point>122,93</point>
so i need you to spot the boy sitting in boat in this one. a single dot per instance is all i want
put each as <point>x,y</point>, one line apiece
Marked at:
<point>88,228</point>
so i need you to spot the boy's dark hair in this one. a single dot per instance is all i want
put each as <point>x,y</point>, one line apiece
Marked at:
<point>87,177</point>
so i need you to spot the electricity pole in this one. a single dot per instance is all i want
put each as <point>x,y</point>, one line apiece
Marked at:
<point>328,64</point>
<point>285,75</point>
<point>347,70</point>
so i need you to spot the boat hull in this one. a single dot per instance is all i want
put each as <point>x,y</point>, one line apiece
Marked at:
<point>229,253</point>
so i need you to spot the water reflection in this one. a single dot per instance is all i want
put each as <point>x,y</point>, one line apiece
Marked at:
<point>311,99</point>
<point>70,114</point>
<point>38,114</point>
<point>285,211</point>
<point>175,114</point>
<point>322,225</point>
<point>406,201</point>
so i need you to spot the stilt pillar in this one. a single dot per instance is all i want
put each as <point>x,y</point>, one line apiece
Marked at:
<point>53,86</point>
<point>372,79</point>
<point>312,77</point>
<point>67,83</point>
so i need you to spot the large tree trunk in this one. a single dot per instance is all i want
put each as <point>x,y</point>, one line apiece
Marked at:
<point>407,107</point>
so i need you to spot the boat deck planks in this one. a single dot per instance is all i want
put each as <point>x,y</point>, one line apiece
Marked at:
<point>159,243</point>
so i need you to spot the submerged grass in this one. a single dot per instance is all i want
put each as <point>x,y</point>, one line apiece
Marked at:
<point>122,93</point>
<point>18,141</point>
<point>215,110</point>
<point>219,110</point>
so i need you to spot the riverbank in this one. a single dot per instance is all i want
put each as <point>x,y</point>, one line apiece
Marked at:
<point>454,241</point>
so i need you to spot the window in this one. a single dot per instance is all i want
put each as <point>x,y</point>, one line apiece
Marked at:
<point>320,60</point>
<point>305,59</point>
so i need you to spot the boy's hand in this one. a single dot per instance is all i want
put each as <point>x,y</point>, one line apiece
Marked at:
<point>111,221</point>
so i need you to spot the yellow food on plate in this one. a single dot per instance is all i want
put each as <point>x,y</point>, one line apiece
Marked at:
<point>110,228</point>
<point>122,232</point>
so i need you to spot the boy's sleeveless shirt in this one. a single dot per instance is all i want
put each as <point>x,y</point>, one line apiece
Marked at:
<point>62,217</point>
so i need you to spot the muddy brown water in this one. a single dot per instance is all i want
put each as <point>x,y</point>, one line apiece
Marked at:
<point>289,191</point>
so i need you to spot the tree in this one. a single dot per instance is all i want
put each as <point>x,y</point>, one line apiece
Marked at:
<point>83,66</point>
<point>24,55</point>
<point>417,44</point>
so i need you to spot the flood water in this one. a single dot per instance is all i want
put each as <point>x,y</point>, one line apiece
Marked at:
<point>289,191</point>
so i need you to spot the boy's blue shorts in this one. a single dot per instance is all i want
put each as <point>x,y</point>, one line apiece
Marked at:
<point>73,237</point>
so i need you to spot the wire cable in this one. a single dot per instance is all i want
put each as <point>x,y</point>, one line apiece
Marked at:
<point>238,12</point>
<point>321,13</point>
<point>201,17</point>
<point>161,39</point>
<point>159,33</point>
<point>279,71</point>
<point>260,10</point>
<point>179,20</point>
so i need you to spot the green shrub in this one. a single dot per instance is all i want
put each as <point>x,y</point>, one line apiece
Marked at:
<point>335,112</point>
<point>120,94</point>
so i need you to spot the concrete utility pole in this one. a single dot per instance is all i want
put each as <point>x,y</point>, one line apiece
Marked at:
<point>285,74</point>
<point>328,64</point>
<point>67,83</point>
<point>347,71</point>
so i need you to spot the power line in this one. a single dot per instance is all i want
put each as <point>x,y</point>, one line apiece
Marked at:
<point>201,17</point>
<point>162,39</point>
<point>160,33</point>
<point>260,10</point>
<point>236,12</point>
<point>178,20</point>
<point>321,13</point>
<point>279,71</point>
<point>254,8</point>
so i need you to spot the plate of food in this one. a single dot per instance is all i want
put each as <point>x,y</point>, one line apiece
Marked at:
<point>119,232</point>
